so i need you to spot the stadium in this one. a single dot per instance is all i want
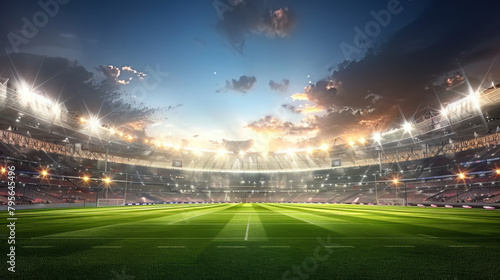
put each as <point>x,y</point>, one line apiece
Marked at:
<point>85,196</point>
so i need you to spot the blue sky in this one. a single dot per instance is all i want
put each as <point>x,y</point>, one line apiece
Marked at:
<point>297,41</point>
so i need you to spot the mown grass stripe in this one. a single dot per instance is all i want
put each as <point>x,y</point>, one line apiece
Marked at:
<point>428,236</point>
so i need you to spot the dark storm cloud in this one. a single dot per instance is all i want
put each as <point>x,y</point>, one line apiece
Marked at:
<point>69,82</point>
<point>421,57</point>
<point>243,84</point>
<point>239,19</point>
<point>279,87</point>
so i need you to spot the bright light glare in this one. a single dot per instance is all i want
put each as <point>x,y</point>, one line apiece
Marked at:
<point>107,180</point>
<point>461,176</point>
<point>377,137</point>
<point>324,147</point>
<point>407,127</point>
<point>94,123</point>
<point>444,112</point>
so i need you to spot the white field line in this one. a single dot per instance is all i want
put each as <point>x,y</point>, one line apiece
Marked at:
<point>192,217</point>
<point>235,247</point>
<point>428,236</point>
<point>99,227</point>
<point>463,246</point>
<point>339,246</point>
<point>399,246</point>
<point>294,217</point>
<point>248,227</point>
<point>258,238</point>
<point>171,247</point>
<point>285,246</point>
<point>42,247</point>
<point>106,247</point>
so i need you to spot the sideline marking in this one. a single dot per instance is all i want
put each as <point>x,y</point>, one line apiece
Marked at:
<point>37,247</point>
<point>106,247</point>
<point>231,247</point>
<point>399,246</point>
<point>170,247</point>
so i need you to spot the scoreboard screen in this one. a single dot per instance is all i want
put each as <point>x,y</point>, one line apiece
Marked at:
<point>336,163</point>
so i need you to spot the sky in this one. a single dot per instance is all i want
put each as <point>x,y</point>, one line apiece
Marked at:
<point>256,75</point>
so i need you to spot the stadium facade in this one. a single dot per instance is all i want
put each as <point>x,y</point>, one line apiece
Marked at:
<point>449,158</point>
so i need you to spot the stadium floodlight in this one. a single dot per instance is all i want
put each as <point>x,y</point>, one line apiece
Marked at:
<point>395,181</point>
<point>242,153</point>
<point>107,180</point>
<point>3,170</point>
<point>351,143</point>
<point>85,178</point>
<point>324,147</point>
<point>362,140</point>
<point>377,137</point>
<point>94,122</point>
<point>497,171</point>
<point>461,176</point>
<point>407,127</point>
<point>444,112</point>
<point>309,150</point>
<point>44,173</point>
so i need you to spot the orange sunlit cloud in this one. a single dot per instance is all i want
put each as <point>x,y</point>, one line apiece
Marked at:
<point>300,96</point>
<point>308,109</point>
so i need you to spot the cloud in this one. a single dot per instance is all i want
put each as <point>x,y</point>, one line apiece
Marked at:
<point>70,83</point>
<point>116,75</point>
<point>274,126</point>
<point>406,70</point>
<point>279,87</point>
<point>242,18</point>
<point>291,108</point>
<point>307,109</point>
<point>243,84</point>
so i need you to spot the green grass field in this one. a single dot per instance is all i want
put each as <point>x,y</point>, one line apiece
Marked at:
<point>255,241</point>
